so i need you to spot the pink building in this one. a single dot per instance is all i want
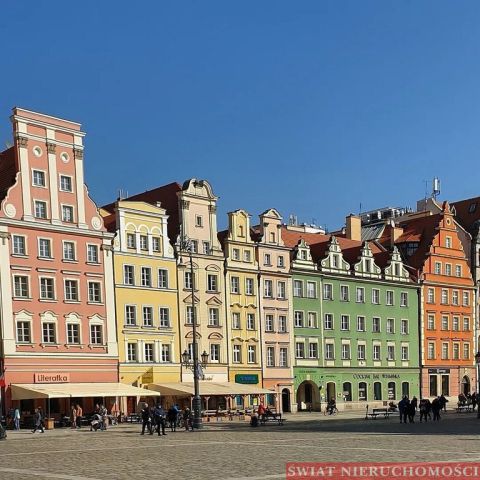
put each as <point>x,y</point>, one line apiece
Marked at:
<point>57,304</point>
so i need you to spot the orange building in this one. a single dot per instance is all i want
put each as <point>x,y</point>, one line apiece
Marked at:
<point>432,246</point>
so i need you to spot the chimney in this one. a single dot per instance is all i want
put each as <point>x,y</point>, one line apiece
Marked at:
<point>395,233</point>
<point>354,227</point>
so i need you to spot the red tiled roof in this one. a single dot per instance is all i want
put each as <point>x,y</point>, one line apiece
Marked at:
<point>467,213</point>
<point>8,171</point>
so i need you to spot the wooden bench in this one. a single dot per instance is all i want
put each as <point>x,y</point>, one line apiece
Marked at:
<point>376,412</point>
<point>274,417</point>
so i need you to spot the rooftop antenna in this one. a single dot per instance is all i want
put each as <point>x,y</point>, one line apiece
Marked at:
<point>360,208</point>
<point>435,187</point>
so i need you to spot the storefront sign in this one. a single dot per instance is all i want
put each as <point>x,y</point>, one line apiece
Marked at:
<point>246,379</point>
<point>374,376</point>
<point>51,377</point>
<point>438,370</point>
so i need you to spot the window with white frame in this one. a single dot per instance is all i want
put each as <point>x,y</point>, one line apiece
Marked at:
<point>328,291</point>
<point>38,178</point>
<point>280,261</point>
<point>164,314</point>
<point>313,350</point>
<point>40,209</point>
<point>130,315</point>
<point>361,324</point>
<point>23,332</point>
<point>444,351</point>
<point>190,314</point>
<point>251,354</point>
<point>212,282</point>
<point>249,286</point>
<point>268,288</point>
<point>237,354</point>
<point>444,297</point>
<point>67,213</point>
<point>131,240</point>
<point>431,351</point>
<point>165,353</point>
<point>235,285</point>
<point>344,293</point>
<point>390,325</point>
<point>250,321</point>
<point>247,256</point>
<point>71,290</point>
<point>455,323</point>
<point>48,332</point>
<point>345,322</point>
<point>206,248</point>
<point>404,327</point>
<point>21,287</point>
<point>236,320</point>
<point>269,323</point>
<point>281,290</point>
<point>466,299</point>
<point>94,292</point>
<point>131,352</point>
<point>390,353</point>
<point>198,221</point>
<point>283,357</point>
<point>147,314</point>
<point>298,319</point>
<point>155,244</point>
<point>19,246</point>
<point>282,323</point>
<point>312,320</point>
<point>65,183</point>
<point>329,351</point>
<point>448,242</point>
<point>267,259</point>
<point>270,356</point>
<point>69,251</point>
<point>144,242</point>
<point>236,254</point>
<point>404,353</point>
<point>92,254</point>
<point>389,300</point>
<point>361,351</point>
<point>214,353</point>
<point>456,351</point>
<point>213,317</point>
<point>404,299</point>
<point>188,280</point>
<point>445,322</point>
<point>96,336</point>
<point>458,270</point>
<point>162,278</point>
<point>345,351</point>
<point>73,333</point>
<point>128,275</point>
<point>360,295</point>
<point>297,288</point>
<point>44,248</point>
<point>194,246</point>
<point>375,296</point>
<point>376,352</point>
<point>448,269</point>
<point>311,290</point>
<point>466,351</point>
<point>376,324</point>
<point>328,321</point>
<point>466,324</point>
<point>299,350</point>
<point>148,352</point>
<point>438,268</point>
<point>47,288</point>
<point>431,295</point>
<point>146,277</point>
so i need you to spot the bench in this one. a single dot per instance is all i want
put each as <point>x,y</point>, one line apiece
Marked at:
<point>376,412</point>
<point>273,417</point>
<point>464,408</point>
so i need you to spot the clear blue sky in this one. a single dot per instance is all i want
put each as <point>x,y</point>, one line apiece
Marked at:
<point>311,107</point>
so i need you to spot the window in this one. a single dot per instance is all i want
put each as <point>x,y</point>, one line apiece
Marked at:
<point>236,254</point>
<point>128,275</point>
<point>280,261</point>
<point>131,240</point>
<point>162,278</point>
<point>466,324</point>
<point>23,332</point>
<point>249,286</point>
<point>466,351</point>
<point>328,321</point>
<point>148,352</point>
<point>444,351</point>
<point>92,253</point>
<point>164,317</point>
<point>65,183</point>
<point>404,299</point>
<point>235,285</point>
<point>188,280</point>
<point>155,244</point>
<point>390,353</point>
<point>389,297</point>
<point>96,335</point>
<point>297,288</point>
<point>251,354</point>
<point>361,352</point>
<point>458,270</point>
<point>47,289</point>
<point>67,213</point>
<point>335,262</point>
<point>71,290</point>
<point>194,246</point>
<point>44,248</point>
<point>312,320</point>
<point>268,289</point>
<point>444,322</point>
<point>360,295</point>
<point>19,245</point>
<point>444,297</point>
<point>147,316</point>
<point>21,289</point>
<point>48,332</point>
<point>212,283</point>
<point>272,237</point>
<point>236,320</point>
<point>376,324</point>
<point>269,323</point>
<point>69,251</point>
<point>198,221</point>
<point>344,293</point>
<point>247,256</point>
<point>38,178</point>
<point>456,351</point>
<point>191,313</point>
<point>143,242</point>
<point>130,315</point>
<point>390,325</point>
<point>404,327</point>
<point>281,290</point>
<point>40,209</point>
<point>448,269</point>
<point>466,299</point>
<point>94,292</point>
<point>376,352</point>
<point>346,351</point>
<point>166,357</point>
<point>329,351</point>
<point>250,321</point>
<point>431,295</point>
<point>214,353</point>
<point>283,357</point>
<point>431,351</point>
<point>448,242</point>
<point>282,323</point>
<point>438,268</point>
<point>270,356</point>
<point>213,317</point>
<point>146,277</point>
<point>360,324</point>
<point>206,248</point>
<point>404,353</point>
<point>267,259</point>
<point>328,291</point>
<point>298,319</point>
<point>299,350</point>
<point>375,296</point>
<point>455,324</point>
<point>73,333</point>
<point>237,354</point>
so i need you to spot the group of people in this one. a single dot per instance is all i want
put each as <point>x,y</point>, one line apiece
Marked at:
<point>155,419</point>
<point>76,415</point>
<point>99,418</point>
<point>468,399</point>
<point>408,408</point>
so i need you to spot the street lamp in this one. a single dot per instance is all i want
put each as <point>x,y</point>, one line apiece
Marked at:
<point>193,364</point>
<point>477,361</point>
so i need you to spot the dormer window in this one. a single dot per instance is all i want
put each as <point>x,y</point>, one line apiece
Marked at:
<point>240,231</point>
<point>335,261</point>
<point>303,254</point>
<point>272,237</point>
<point>396,269</point>
<point>368,265</point>
<point>410,248</point>
<point>472,207</point>
<point>198,221</point>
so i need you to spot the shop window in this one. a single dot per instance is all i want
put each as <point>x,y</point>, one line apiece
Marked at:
<point>445,385</point>
<point>362,392</point>
<point>347,392</point>
<point>405,389</point>
<point>433,386</point>
<point>392,391</point>
<point>377,391</point>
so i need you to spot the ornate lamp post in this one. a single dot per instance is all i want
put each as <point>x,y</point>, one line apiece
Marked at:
<point>193,363</point>
<point>477,361</point>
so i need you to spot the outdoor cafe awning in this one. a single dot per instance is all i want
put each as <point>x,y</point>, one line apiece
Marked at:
<point>27,391</point>
<point>208,389</point>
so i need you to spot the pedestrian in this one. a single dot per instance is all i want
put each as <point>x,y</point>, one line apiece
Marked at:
<point>443,402</point>
<point>38,419</point>
<point>261,411</point>
<point>146,420</point>
<point>402,405</point>
<point>79,415</point>
<point>172,418</point>
<point>414,402</point>
<point>16,419</point>
<point>436,407</point>
<point>187,419</point>
<point>104,414</point>
<point>73,416</point>
<point>159,418</point>
<point>411,412</point>
<point>474,401</point>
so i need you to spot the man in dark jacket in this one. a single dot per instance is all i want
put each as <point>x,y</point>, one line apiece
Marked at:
<point>172,418</point>
<point>402,408</point>
<point>146,420</point>
<point>436,407</point>
<point>159,418</point>
<point>38,419</point>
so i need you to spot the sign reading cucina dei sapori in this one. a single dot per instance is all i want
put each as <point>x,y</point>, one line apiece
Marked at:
<point>51,378</point>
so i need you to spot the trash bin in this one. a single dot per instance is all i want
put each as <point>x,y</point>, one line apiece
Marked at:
<point>50,423</point>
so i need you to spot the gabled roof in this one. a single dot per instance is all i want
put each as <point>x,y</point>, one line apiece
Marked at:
<point>467,213</point>
<point>8,171</point>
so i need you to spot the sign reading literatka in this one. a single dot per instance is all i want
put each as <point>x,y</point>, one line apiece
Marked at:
<point>51,377</point>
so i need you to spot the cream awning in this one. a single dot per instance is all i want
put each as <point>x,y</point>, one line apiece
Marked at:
<point>208,388</point>
<point>27,391</point>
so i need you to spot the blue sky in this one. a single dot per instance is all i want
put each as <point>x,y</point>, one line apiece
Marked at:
<point>311,107</point>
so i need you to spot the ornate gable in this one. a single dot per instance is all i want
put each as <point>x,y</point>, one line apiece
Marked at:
<point>395,270</point>
<point>334,261</point>
<point>302,257</point>
<point>366,266</point>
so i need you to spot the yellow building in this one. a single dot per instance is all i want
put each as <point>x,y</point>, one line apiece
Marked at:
<point>243,319</point>
<point>146,293</point>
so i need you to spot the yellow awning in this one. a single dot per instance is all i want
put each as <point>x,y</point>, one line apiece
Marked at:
<point>207,388</point>
<point>27,391</point>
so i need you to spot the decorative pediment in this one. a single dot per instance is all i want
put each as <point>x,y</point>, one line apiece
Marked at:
<point>237,339</point>
<point>23,315</point>
<point>190,334</point>
<point>73,317</point>
<point>334,261</point>
<point>366,265</point>
<point>215,336</point>
<point>395,270</point>
<point>236,304</point>
<point>188,299</point>
<point>213,301</point>
<point>212,268</point>
<point>48,316</point>
<point>252,339</point>
<point>302,257</point>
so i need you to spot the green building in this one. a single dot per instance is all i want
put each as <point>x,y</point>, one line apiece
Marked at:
<point>355,313</point>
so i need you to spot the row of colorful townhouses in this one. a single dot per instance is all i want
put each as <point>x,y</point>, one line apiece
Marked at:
<point>106,296</point>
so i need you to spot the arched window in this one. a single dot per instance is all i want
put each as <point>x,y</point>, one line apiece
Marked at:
<point>405,389</point>
<point>347,391</point>
<point>362,392</point>
<point>392,391</point>
<point>377,391</point>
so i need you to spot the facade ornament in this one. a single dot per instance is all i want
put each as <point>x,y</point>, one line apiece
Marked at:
<point>51,147</point>
<point>185,204</point>
<point>22,141</point>
<point>78,153</point>
<point>212,209</point>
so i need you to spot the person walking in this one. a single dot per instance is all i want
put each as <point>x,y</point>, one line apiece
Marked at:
<point>146,420</point>
<point>411,411</point>
<point>159,417</point>
<point>16,419</point>
<point>436,407</point>
<point>187,419</point>
<point>73,416</point>
<point>402,405</point>
<point>172,418</point>
<point>474,401</point>
<point>38,419</point>
<point>414,402</point>
<point>79,415</point>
